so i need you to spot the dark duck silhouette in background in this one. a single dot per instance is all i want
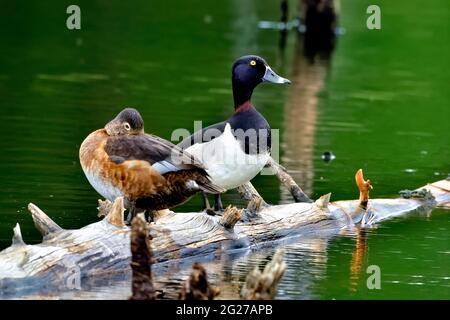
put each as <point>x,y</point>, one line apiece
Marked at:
<point>119,160</point>
<point>235,150</point>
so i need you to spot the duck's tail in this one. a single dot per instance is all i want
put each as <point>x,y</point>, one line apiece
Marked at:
<point>206,185</point>
<point>203,180</point>
<point>195,180</point>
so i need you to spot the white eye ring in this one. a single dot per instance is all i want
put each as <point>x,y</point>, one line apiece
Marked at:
<point>127,126</point>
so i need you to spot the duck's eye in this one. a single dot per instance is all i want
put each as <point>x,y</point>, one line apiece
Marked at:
<point>127,126</point>
<point>253,63</point>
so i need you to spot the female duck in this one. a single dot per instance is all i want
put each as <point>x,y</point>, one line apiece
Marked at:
<point>119,160</point>
<point>237,149</point>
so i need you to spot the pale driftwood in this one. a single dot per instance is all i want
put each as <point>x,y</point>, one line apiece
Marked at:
<point>43,223</point>
<point>17,239</point>
<point>230,217</point>
<point>287,181</point>
<point>263,285</point>
<point>115,215</point>
<point>256,202</point>
<point>102,250</point>
<point>249,193</point>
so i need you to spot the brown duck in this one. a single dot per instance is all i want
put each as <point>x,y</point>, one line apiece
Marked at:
<point>149,172</point>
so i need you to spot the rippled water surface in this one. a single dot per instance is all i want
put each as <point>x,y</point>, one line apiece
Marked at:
<point>381,103</point>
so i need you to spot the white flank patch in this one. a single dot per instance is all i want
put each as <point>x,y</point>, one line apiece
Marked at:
<point>227,164</point>
<point>107,190</point>
<point>191,184</point>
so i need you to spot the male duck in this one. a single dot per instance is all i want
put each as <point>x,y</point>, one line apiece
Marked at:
<point>235,150</point>
<point>119,160</point>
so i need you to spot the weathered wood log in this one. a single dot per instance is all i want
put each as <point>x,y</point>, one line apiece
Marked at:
<point>102,250</point>
<point>263,285</point>
<point>256,202</point>
<point>17,239</point>
<point>43,223</point>
<point>287,181</point>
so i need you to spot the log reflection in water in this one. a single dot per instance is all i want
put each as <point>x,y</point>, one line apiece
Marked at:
<point>228,272</point>
<point>358,259</point>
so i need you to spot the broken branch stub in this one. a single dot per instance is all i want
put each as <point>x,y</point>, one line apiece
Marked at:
<point>141,260</point>
<point>104,207</point>
<point>323,201</point>
<point>287,181</point>
<point>364,187</point>
<point>43,223</point>
<point>249,193</point>
<point>230,216</point>
<point>115,215</point>
<point>17,239</point>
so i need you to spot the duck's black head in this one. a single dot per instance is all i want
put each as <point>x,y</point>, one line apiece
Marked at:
<point>247,73</point>
<point>128,121</point>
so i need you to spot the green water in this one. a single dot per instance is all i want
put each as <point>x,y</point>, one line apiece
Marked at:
<point>381,104</point>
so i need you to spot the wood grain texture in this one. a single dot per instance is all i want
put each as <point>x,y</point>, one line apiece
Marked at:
<point>101,250</point>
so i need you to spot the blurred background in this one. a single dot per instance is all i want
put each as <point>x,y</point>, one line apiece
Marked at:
<point>376,99</point>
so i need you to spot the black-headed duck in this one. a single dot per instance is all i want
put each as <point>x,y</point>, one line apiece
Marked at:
<point>236,150</point>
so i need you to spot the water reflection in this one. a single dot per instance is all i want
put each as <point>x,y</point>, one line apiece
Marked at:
<point>357,261</point>
<point>301,107</point>
<point>306,262</point>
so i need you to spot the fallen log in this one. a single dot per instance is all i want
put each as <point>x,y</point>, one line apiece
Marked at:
<point>101,251</point>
